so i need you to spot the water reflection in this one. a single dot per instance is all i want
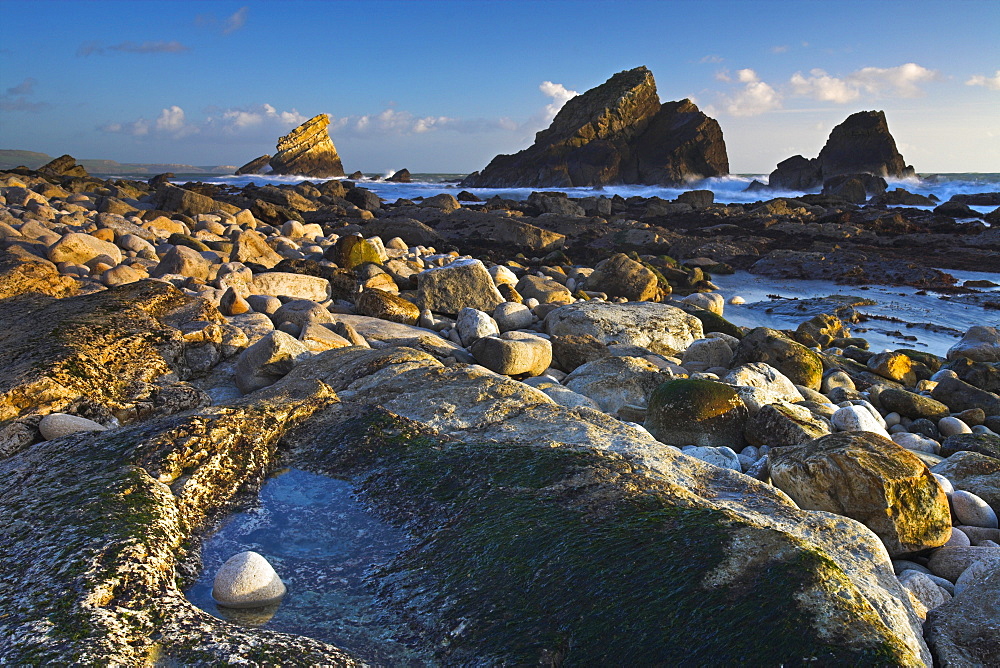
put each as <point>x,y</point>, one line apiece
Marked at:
<point>323,544</point>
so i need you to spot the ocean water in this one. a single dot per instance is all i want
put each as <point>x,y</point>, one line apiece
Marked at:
<point>324,544</point>
<point>728,189</point>
<point>896,317</point>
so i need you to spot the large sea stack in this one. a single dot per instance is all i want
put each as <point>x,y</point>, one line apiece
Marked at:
<point>615,133</point>
<point>305,151</point>
<point>861,144</point>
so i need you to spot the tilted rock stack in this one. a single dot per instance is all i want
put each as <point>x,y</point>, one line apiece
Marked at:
<point>305,151</point>
<point>861,144</point>
<point>615,133</point>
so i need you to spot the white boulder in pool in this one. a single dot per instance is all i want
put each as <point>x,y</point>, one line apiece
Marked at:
<point>247,580</point>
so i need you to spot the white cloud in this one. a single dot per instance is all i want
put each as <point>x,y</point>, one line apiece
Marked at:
<point>170,120</point>
<point>779,49</point>
<point>756,97</point>
<point>821,86</point>
<point>711,58</point>
<point>261,120</point>
<point>560,95</point>
<point>993,82</point>
<point>901,81</point>
<point>235,21</point>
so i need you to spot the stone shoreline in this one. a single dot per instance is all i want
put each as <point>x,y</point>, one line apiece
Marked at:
<point>595,464</point>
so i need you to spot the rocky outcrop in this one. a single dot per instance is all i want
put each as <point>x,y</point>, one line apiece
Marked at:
<point>861,144</point>
<point>308,151</point>
<point>615,133</point>
<point>255,166</point>
<point>64,165</point>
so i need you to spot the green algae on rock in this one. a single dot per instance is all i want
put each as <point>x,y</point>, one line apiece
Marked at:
<point>696,412</point>
<point>528,554</point>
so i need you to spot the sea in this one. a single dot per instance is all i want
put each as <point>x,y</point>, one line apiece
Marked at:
<point>895,318</point>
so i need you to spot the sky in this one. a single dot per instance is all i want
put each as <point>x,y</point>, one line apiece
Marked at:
<point>445,86</point>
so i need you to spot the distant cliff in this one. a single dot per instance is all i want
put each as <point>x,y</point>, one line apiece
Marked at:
<point>862,144</point>
<point>617,132</point>
<point>10,158</point>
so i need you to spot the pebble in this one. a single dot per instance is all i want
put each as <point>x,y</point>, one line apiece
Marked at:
<point>944,482</point>
<point>958,539</point>
<point>247,580</point>
<point>915,441</point>
<point>722,456</point>
<point>55,425</point>
<point>967,508</point>
<point>857,418</point>
<point>952,426</point>
<point>737,300</point>
<point>970,575</point>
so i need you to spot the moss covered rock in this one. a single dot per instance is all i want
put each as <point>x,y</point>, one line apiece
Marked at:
<point>528,554</point>
<point>696,412</point>
<point>801,365</point>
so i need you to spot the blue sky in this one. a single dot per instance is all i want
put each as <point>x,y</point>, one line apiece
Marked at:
<point>444,86</point>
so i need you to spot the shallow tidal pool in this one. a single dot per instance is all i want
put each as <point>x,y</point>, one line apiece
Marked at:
<point>324,544</point>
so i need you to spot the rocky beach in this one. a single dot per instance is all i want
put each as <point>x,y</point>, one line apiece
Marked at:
<point>543,438</point>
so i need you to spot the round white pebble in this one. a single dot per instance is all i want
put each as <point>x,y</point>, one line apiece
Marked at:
<point>247,580</point>
<point>967,508</point>
<point>952,426</point>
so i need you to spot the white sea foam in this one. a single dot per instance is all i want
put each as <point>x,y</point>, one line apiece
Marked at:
<point>729,189</point>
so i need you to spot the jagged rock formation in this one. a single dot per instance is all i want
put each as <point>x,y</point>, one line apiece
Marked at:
<point>308,151</point>
<point>255,166</point>
<point>64,165</point>
<point>861,144</point>
<point>615,133</point>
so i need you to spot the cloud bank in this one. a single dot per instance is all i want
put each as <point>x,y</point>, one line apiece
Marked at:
<point>758,97</point>
<point>172,123</point>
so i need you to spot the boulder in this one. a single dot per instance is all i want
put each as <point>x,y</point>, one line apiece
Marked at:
<point>387,306</point>
<point>294,286</point>
<point>782,423</point>
<point>266,361</point>
<point>511,315</point>
<point>462,283</point>
<point>183,261</point>
<point>513,354</point>
<point>613,382</point>
<point>250,246</point>
<point>546,290</point>
<point>411,231</point>
<point>958,395</point>
<point>472,324</point>
<point>799,364</point>
<point>871,479</point>
<point>308,151</point>
<point>21,272</point>
<point>912,405</point>
<point>979,344</point>
<point>444,201</point>
<point>302,312</point>
<point>621,276</point>
<point>169,197</point>
<point>861,144</point>
<point>696,412</point>
<point>618,132</point>
<point>663,329</point>
<point>80,248</point>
